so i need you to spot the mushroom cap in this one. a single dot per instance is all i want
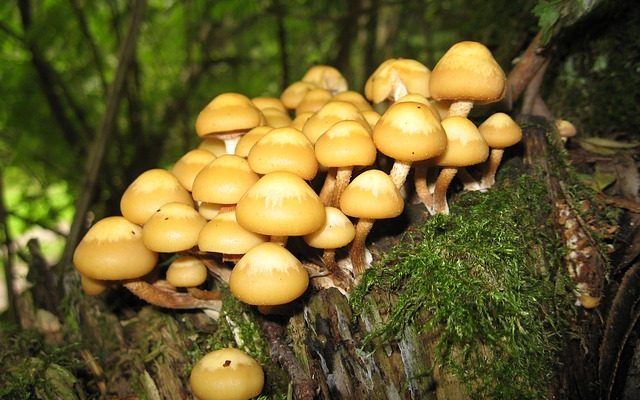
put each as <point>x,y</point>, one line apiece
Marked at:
<point>150,191</point>
<point>565,128</point>
<point>467,72</point>
<point>276,118</point>
<point>190,164</point>
<point>112,249</point>
<point>372,117</point>
<point>355,98</point>
<point>336,232</point>
<point>346,143</point>
<point>172,228</point>
<point>372,195</point>
<point>224,235</point>
<point>294,93</point>
<point>263,102</point>
<point>313,100</point>
<point>331,113</point>
<point>209,210</point>
<point>326,77</point>
<point>226,374</point>
<point>301,119</point>
<point>93,287</point>
<point>280,204</point>
<point>224,180</point>
<point>250,138</point>
<point>284,149</point>
<point>268,275</point>
<point>465,144</point>
<point>228,112</point>
<point>187,271</point>
<point>409,131</point>
<point>418,98</point>
<point>397,76</point>
<point>213,145</point>
<point>500,131</point>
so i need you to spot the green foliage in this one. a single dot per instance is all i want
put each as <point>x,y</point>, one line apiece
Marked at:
<point>34,369</point>
<point>485,286</point>
<point>554,15</point>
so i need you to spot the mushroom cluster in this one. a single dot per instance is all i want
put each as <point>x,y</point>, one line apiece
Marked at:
<point>311,163</point>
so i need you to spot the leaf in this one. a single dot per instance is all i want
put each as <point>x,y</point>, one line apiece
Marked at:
<point>603,151</point>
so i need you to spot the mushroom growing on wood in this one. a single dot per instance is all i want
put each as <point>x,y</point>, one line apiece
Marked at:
<point>226,374</point>
<point>371,195</point>
<point>150,191</point>
<point>189,166</point>
<point>284,149</point>
<point>499,131</point>
<point>280,204</point>
<point>186,272</point>
<point>326,77</point>
<point>466,74</point>
<point>112,250</point>
<point>268,275</point>
<point>228,116</point>
<point>465,147</point>
<point>395,78</point>
<point>173,228</point>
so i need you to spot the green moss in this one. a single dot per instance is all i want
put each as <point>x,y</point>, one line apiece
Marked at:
<point>486,283</point>
<point>33,369</point>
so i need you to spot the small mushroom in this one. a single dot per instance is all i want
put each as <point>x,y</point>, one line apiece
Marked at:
<point>224,180</point>
<point>284,149</point>
<point>173,228</point>
<point>371,195</point>
<point>186,272</point>
<point>326,77</point>
<point>189,166</point>
<point>499,131</point>
<point>268,275</point>
<point>224,235</point>
<point>226,374</point>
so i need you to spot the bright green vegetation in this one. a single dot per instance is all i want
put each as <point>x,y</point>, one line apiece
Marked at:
<point>484,280</point>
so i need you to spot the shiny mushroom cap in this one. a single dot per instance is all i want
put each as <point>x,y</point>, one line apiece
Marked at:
<point>226,113</point>
<point>500,131</point>
<point>292,96</point>
<point>372,195</point>
<point>465,144</point>
<point>345,144</point>
<point>224,180</point>
<point>326,77</point>
<point>280,204</point>
<point>284,149</point>
<point>336,232</point>
<point>112,249</point>
<point>268,275</point>
<point>187,271</point>
<point>150,191</point>
<point>224,235</point>
<point>409,131</point>
<point>174,227</point>
<point>226,374</point>
<point>189,166</point>
<point>331,113</point>
<point>467,72</point>
<point>247,141</point>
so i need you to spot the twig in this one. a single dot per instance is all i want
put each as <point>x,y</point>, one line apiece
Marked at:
<point>303,386</point>
<point>98,147</point>
<point>524,71</point>
<point>8,256</point>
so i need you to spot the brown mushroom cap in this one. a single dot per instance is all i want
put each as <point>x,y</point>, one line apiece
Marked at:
<point>228,112</point>
<point>346,143</point>
<point>500,131</point>
<point>336,232</point>
<point>187,271</point>
<point>284,149</point>
<point>280,204</point>
<point>224,235</point>
<point>467,72</point>
<point>113,249</point>
<point>465,144</point>
<point>189,165</point>
<point>372,195</point>
<point>224,180</point>
<point>409,131</point>
<point>172,228</point>
<point>268,275</point>
<point>226,374</point>
<point>150,191</point>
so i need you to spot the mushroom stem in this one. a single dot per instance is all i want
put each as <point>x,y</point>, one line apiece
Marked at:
<point>460,108</point>
<point>343,176</point>
<point>489,175</point>
<point>329,261</point>
<point>422,189</point>
<point>168,299</point>
<point>363,227</point>
<point>468,181</point>
<point>328,187</point>
<point>440,194</point>
<point>281,240</point>
<point>399,172</point>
